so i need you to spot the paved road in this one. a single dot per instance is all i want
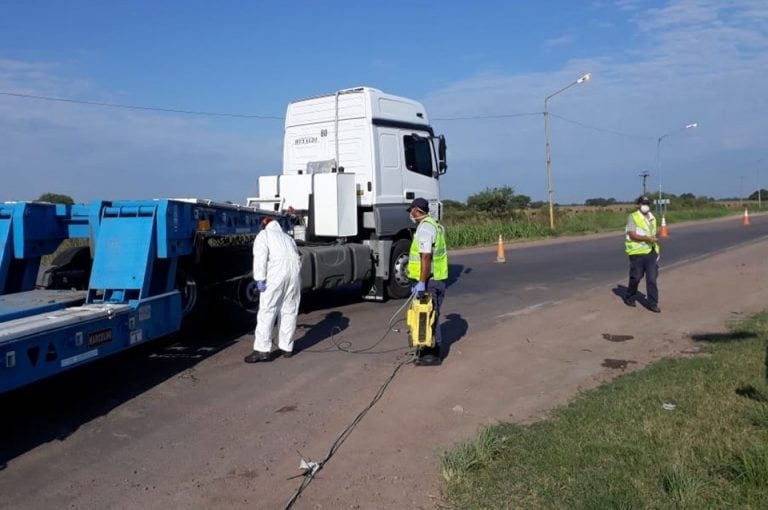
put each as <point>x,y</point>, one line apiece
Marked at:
<point>542,273</point>
<point>68,434</point>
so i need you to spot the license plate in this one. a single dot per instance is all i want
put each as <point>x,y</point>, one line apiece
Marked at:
<point>99,337</point>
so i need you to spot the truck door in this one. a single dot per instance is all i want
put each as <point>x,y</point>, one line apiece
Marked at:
<point>419,170</point>
<point>390,180</point>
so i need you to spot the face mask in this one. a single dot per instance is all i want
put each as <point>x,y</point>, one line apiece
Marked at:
<point>644,209</point>
<point>416,219</point>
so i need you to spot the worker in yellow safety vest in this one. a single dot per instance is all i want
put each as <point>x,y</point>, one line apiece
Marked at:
<point>428,268</point>
<point>642,247</point>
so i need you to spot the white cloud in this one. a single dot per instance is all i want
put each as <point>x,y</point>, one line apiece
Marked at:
<point>702,61</point>
<point>628,5</point>
<point>690,60</point>
<point>94,152</point>
<point>563,40</point>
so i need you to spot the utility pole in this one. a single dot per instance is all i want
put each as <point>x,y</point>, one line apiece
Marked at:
<point>759,189</point>
<point>548,147</point>
<point>741,191</point>
<point>644,175</point>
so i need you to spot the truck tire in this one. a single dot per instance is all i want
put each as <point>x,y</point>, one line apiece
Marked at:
<point>248,295</point>
<point>399,286</point>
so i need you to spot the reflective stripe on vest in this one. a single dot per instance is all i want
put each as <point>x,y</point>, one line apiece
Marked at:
<point>640,247</point>
<point>439,254</point>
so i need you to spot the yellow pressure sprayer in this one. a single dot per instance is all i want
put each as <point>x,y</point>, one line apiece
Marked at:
<point>420,318</point>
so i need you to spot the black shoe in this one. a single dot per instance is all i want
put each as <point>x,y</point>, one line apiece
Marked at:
<point>629,300</point>
<point>287,354</point>
<point>257,356</point>
<point>655,308</point>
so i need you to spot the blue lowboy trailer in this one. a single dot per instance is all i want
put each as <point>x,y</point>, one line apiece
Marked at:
<point>145,263</point>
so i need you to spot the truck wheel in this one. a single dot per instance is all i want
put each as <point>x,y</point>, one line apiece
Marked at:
<point>248,295</point>
<point>399,286</point>
<point>187,286</point>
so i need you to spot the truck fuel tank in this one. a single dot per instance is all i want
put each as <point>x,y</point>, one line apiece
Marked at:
<point>325,267</point>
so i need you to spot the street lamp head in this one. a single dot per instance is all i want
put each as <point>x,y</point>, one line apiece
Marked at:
<point>584,78</point>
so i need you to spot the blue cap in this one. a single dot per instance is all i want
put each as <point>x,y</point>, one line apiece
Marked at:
<point>419,203</point>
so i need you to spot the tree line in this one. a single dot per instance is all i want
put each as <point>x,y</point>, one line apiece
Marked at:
<point>503,201</point>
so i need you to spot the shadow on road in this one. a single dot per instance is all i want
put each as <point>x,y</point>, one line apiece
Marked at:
<point>54,408</point>
<point>454,273</point>
<point>453,329</point>
<point>723,337</point>
<point>622,292</point>
<point>332,324</point>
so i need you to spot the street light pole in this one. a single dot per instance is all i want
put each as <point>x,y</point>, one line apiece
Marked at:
<point>548,148</point>
<point>741,190</point>
<point>660,206</point>
<point>759,189</point>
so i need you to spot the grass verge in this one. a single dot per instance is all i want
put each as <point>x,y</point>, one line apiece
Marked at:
<point>476,229</point>
<point>617,447</point>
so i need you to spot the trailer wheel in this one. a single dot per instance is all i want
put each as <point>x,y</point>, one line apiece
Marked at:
<point>399,286</point>
<point>248,295</point>
<point>187,286</point>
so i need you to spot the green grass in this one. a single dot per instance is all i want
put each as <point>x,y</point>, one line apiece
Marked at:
<point>699,214</point>
<point>466,228</point>
<point>616,447</point>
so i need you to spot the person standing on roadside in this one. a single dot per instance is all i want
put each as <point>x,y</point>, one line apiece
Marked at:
<point>428,268</point>
<point>276,270</point>
<point>642,247</point>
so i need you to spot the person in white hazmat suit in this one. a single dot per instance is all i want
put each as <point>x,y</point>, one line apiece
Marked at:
<point>276,270</point>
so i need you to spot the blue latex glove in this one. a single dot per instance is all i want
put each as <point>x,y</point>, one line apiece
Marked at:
<point>419,289</point>
<point>261,285</point>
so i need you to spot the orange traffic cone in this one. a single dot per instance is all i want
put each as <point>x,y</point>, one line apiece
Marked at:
<point>745,221</point>
<point>663,232</point>
<point>500,258</point>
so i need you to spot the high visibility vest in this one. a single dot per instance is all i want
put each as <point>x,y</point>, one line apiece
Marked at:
<point>439,254</point>
<point>640,247</point>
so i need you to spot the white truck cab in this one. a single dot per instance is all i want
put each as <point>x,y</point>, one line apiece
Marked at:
<point>352,162</point>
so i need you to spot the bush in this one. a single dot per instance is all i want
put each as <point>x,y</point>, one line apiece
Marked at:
<point>498,201</point>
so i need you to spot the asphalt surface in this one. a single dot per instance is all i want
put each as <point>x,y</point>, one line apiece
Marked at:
<point>41,423</point>
<point>539,274</point>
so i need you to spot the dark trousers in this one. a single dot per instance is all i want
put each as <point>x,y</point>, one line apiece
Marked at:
<point>437,289</point>
<point>644,265</point>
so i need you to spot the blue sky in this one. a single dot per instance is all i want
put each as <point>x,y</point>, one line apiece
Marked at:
<point>656,66</point>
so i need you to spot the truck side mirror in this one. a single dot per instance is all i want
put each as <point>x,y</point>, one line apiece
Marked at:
<point>441,153</point>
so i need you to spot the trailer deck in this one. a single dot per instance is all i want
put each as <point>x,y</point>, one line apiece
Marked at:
<point>146,256</point>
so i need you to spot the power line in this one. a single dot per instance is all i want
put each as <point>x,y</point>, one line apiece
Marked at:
<point>482,117</point>
<point>564,119</point>
<point>272,117</point>
<point>136,107</point>
<point>604,130</point>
